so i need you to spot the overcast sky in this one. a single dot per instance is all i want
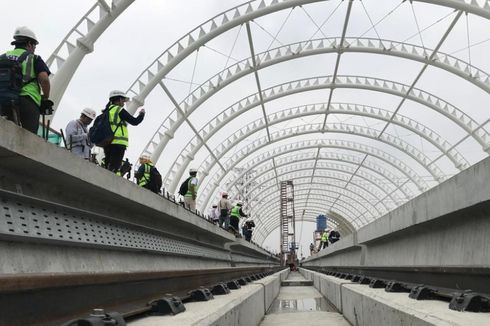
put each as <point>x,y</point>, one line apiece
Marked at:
<point>148,27</point>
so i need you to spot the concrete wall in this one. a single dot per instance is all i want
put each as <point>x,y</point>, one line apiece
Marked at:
<point>42,176</point>
<point>365,306</point>
<point>446,226</point>
<point>245,307</point>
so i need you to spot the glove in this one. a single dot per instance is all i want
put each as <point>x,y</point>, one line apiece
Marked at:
<point>46,107</point>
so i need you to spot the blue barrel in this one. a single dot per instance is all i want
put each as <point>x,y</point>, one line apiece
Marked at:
<point>321,222</point>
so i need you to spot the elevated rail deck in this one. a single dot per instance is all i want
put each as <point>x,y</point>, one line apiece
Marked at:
<point>70,230</point>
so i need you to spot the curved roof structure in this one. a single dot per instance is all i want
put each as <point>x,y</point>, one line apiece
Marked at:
<point>323,93</point>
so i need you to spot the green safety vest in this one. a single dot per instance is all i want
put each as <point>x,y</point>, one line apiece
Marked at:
<point>32,88</point>
<point>189,184</point>
<point>146,175</point>
<point>235,212</point>
<point>121,132</point>
<point>324,236</point>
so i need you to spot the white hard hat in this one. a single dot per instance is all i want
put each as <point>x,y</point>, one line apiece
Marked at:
<point>24,32</point>
<point>224,194</point>
<point>145,157</point>
<point>89,113</point>
<point>192,170</point>
<point>239,203</point>
<point>326,229</point>
<point>117,93</point>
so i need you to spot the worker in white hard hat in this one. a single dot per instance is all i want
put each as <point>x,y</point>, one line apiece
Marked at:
<point>27,100</point>
<point>324,239</point>
<point>147,175</point>
<point>191,194</point>
<point>225,207</point>
<point>235,215</point>
<point>76,133</point>
<point>119,119</point>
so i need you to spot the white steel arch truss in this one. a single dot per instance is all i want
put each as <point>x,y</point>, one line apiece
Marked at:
<point>386,158</point>
<point>89,28</point>
<point>175,119</point>
<point>314,208</point>
<point>331,182</point>
<point>234,17</point>
<point>305,129</point>
<point>318,203</point>
<point>356,211</point>
<point>323,165</point>
<point>193,146</point>
<point>79,42</point>
<point>303,85</point>
<point>376,175</point>
<point>397,164</point>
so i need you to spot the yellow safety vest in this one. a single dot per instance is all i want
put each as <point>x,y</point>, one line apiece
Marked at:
<point>118,126</point>
<point>32,88</point>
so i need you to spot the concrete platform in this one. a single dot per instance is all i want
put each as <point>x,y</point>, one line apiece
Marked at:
<point>365,306</point>
<point>302,305</point>
<point>245,307</point>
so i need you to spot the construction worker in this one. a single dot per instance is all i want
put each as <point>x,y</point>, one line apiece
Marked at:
<point>225,207</point>
<point>24,108</point>
<point>214,214</point>
<point>119,119</point>
<point>125,169</point>
<point>247,229</point>
<point>191,194</point>
<point>77,134</point>
<point>324,239</point>
<point>235,214</point>
<point>147,175</point>
<point>312,249</point>
<point>334,236</point>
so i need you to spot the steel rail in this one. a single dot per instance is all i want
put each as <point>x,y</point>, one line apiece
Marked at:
<point>62,297</point>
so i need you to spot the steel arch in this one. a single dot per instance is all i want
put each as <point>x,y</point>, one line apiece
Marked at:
<point>446,109</point>
<point>357,147</point>
<point>315,207</point>
<point>277,152</point>
<point>229,19</point>
<point>328,167</point>
<point>315,203</point>
<point>67,65</point>
<point>193,146</point>
<point>362,201</point>
<point>353,220</point>
<point>347,162</point>
<point>317,128</point>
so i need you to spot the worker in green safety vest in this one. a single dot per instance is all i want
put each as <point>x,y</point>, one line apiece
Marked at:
<point>24,108</point>
<point>147,175</point>
<point>235,214</point>
<point>119,119</point>
<point>324,239</point>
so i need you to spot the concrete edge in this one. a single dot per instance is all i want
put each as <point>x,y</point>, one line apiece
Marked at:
<point>362,305</point>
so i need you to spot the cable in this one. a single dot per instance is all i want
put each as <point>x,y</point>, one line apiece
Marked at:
<point>280,29</point>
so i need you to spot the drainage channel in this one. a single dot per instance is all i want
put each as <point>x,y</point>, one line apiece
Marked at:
<point>299,303</point>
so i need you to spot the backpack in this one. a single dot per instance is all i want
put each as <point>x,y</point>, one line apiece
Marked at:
<point>184,187</point>
<point>11,78</point>
<point>101,133</point>
<point>155,182</point>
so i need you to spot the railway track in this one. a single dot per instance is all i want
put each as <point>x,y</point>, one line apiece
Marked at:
<point>466,289</point>
<point>64,299</point>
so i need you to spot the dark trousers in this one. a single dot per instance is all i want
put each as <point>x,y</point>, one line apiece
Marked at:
<point>27,113</point>
<point>234,223</point>
<point>114,154</point>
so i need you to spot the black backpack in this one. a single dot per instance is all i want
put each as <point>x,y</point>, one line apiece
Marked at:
<point>11,78</point>
<point>101,133</point>
<point>184,187</point>
<point>155,182</point>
